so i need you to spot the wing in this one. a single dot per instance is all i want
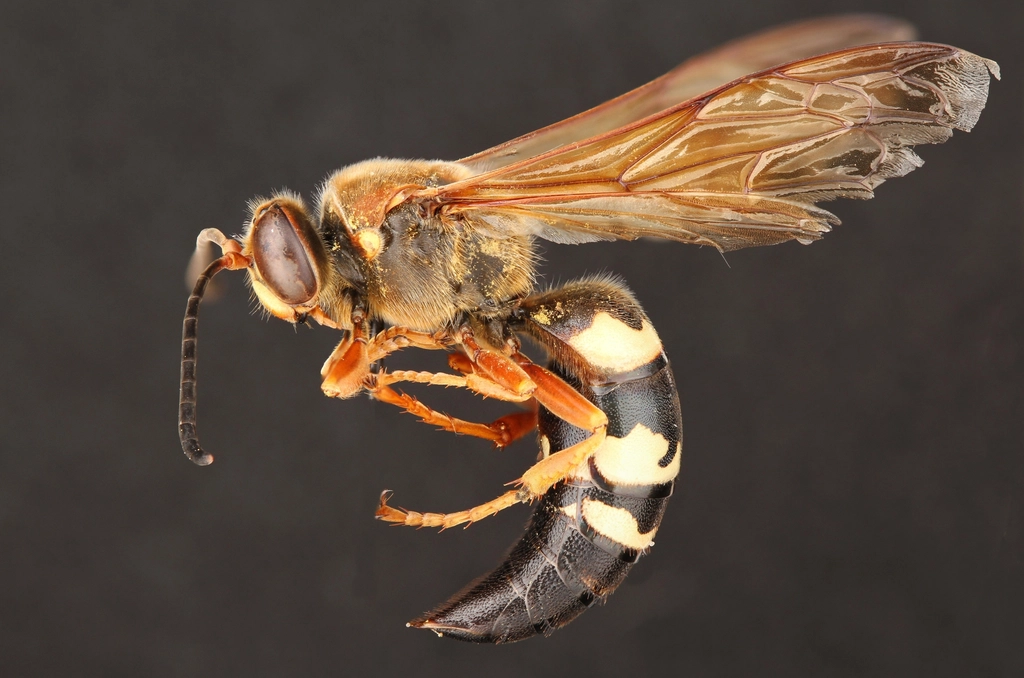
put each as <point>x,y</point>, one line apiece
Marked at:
<point>742,165</point>
<point>699,75</point>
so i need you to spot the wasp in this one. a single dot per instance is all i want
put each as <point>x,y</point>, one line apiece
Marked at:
<point>731,149</point>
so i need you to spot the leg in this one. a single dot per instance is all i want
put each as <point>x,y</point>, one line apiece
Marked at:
<point>396,338</point>
<point>444,520</point>
<point>473,382</point>
<point>498,368</point>
<point>568,404</point>
<point>501,432</point>
<point>507,378</point>
<point>460,362</point>
<point>554,394</point>
<point>540,477</point>
<point>346,369</point>
<point>488,373</point>
<point>347,372</point>
<point>519,374</point>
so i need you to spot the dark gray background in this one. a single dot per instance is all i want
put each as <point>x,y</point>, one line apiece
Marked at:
<point>852,497</point>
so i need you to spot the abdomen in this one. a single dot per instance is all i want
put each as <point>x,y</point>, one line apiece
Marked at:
<point>588,531</point>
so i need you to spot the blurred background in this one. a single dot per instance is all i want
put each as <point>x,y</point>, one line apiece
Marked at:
<point>852,494</point>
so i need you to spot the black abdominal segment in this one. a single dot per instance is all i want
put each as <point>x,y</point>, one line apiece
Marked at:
<point>587,531</point>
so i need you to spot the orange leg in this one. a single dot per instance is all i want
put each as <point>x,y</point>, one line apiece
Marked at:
<point>500,369</point>
<point>396,338</point>
<point>347,371</point>
<point>489,373</point>
<point>501,432</point>
<point>563,400</point>
<point>567,403</point>
<point>511,376</point>
<point>558,397</point>
<point>461,363</point>
<point>474,382</point>
<point>540,477</point>
<point>495,375</point>
<point>347,367</point>
<point>444,520</point>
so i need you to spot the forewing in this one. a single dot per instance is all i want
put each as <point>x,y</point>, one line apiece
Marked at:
<point>743,165</point>
<point>700,75</point>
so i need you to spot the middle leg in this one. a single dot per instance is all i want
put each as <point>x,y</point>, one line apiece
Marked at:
<point>558,397</point>
<point>513,378</point>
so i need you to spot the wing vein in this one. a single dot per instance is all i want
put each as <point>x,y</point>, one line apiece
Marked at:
<point>743,165</point>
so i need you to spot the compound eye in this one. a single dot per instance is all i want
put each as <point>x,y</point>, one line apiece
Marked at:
<point>281,257</point>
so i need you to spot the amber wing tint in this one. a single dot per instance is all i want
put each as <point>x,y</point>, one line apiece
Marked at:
<point>742,165</point>
<point>699,75</point>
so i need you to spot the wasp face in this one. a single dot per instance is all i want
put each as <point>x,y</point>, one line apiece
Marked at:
<point>290,269</point>
<point>284,249</point>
